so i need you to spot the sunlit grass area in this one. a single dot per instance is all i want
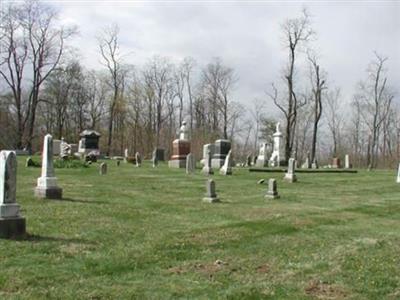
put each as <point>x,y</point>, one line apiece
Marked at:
<point>145,233</point>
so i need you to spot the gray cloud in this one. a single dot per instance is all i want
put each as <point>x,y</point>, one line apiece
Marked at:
<point>246,35</point>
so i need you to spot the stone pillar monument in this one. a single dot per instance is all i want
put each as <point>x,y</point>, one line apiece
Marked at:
<point>277,154</point>
<point>180,148</point>
<point>262,158</point>
<point>47,182</point>
<point>11,223</point>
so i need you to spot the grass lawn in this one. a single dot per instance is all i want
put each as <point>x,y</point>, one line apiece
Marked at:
<point>145,233</point>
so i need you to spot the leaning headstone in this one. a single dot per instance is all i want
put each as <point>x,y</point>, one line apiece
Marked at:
<point>190,164</point>
<point>261,181</point>
<point>227,167</point>
<point>138,159</point>
<point>12,224</point>
<point>29,162</point>
<point>47,182</point>
<point>347,164</point>
<point>103,168</point>
<point>290,176</point>
<point>211,195</point>
<point>207,169</point>
<point>154,158</point>
<point>398,174</point>
<point>272,192</point>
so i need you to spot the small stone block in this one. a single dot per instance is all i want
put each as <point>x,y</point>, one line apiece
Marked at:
<point>271,196</point>
<point>12,227</point>
<point>211,199</point>
<point>48,193</point>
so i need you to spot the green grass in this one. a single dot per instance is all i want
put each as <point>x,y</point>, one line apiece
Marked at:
<point>145,233</point>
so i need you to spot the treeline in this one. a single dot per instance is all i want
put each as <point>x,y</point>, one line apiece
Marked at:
<point>45,89</point>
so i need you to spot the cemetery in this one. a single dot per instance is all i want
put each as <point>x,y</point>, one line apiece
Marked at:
<point>158,231</point>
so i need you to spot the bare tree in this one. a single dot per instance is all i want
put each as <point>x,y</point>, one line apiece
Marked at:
<point>317,78</point>
<point>334,118</point>
<point>375,99</point>
<point>297,32</point>
<point>258,115</point>
<point>31,36</point>
<point>187,67</point>
<point>217,83</point>
<point>109,49</point>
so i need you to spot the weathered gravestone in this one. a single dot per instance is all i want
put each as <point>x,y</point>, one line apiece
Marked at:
<point>29,162</point>
<point>272,192</point>
<point>262,158</point>
<point>307,162</point>
<point>65,149</point>
<point>11,223</point>
<point>278,149</point>
<point>248,161</point>
<point>47,182</point>
<point>207,169</point>
<point>290,176</point>
<point>118,163</point>
<point>190,164</point>
<point>336,163</point>
<point>138,159</point>
<point>398,174</point>
<point>227,167</point>
<point>103,168</point>
<point>180,148</point>
<point>154,158</point>
<point>211,195</point>
<point>314,164</point>
<point>126,155</point>
<point>221,150</point>
<point>347,164</point>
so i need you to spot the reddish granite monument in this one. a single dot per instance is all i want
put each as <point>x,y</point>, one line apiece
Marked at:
<point>180,148</point>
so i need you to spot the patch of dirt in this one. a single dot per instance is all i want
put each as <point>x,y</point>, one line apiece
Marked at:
<point>299,223</point>
<point>263,269</point>
<point>324,290</point>
<point>208,269</point>
<point>73,248</point>
<point>176,270</point>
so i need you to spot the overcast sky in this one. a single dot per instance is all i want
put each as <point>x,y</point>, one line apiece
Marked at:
<point>245,34</point>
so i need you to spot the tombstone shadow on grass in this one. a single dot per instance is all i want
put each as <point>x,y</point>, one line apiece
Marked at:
<point>40,238</point>
<point>81,201</point>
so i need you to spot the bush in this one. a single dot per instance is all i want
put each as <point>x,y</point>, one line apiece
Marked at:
<point>69,164</point>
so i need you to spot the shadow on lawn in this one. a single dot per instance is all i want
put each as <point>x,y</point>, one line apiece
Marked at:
<point>40,238</point>
<point>81,201</point>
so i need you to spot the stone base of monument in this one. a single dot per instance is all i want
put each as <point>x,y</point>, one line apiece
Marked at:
<point>211,199</point>
<point>261,163</point>
<point>272,196</point>
<point>177,163</point>
<point>290,178</point>
<point>12,227</point>
<point>48,193</point>
<point>217,163</point>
